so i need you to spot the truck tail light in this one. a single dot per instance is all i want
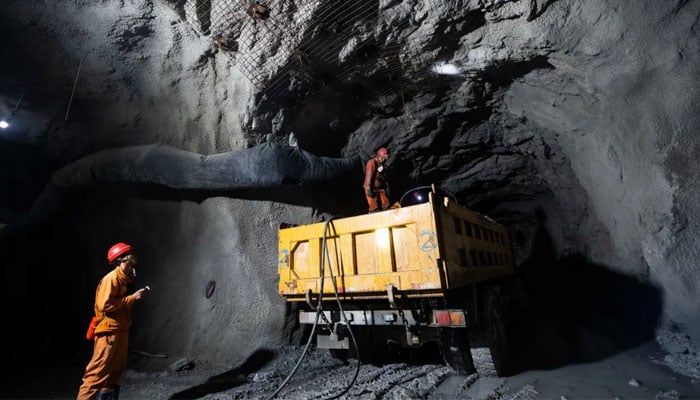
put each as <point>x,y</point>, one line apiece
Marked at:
<point>443,318</point>
<point>450,318</point>
<point>457,318</point>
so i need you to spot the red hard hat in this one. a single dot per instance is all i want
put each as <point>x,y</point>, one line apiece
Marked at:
<point>382,152</point>
<point>117,250</point>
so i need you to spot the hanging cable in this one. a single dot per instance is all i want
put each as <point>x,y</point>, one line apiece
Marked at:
<point>19,102</point>
<point>313,329</point>
<point>75,83</point>
<point>325,253</point>
<point>345,320</point>
<point>4,123</point>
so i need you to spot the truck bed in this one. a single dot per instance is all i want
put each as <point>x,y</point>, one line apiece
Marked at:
<point>423,250</point>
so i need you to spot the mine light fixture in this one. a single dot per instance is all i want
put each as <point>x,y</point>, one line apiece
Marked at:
<point>446,69</point>
<point>5,122</point>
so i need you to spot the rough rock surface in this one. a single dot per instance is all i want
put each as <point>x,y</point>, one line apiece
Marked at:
<point>574,123</point>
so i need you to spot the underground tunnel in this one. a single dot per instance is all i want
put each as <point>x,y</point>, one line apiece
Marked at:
<point>197,130</point>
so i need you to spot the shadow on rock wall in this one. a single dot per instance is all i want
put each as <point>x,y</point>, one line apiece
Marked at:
<point>46,316</point>
<point>581,311</point>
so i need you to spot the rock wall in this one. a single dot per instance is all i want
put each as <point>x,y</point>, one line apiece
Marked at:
<point>183,247</point>
<point>573,118</point>
<point>145,77</point>
<point>617,103</point>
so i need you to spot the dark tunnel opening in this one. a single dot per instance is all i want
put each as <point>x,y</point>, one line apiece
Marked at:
<point>580,311</point>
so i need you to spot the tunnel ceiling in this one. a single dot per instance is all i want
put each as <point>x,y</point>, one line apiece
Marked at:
<point>322,69</point>
<point>572,118</point>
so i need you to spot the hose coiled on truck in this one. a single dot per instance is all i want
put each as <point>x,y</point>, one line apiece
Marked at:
<point>319,309</point>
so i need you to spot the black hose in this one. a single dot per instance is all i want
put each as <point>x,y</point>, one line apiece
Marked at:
<point>319,309</point>
<point>313,329</point>
<point>345,320</point>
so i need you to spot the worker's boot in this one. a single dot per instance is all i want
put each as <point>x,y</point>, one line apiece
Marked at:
<point>107,395</point>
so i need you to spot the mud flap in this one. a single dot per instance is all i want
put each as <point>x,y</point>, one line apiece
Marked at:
<point>454,345</point>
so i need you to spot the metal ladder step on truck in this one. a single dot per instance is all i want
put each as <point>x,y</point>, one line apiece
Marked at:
<point>429,271</point>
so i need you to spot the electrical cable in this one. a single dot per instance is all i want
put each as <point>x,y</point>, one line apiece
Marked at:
<point>313,329</point>
<point>19,102</point>
<point>345,320</point>
<point>14,110</point>
<point>319,309</point>
<point>75,83</point>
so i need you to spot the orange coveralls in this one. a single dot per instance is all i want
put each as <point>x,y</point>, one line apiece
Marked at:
<point>375,179</point>
<point>113,309</point>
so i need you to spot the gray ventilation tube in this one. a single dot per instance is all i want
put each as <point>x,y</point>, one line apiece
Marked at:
<point>262,167</point>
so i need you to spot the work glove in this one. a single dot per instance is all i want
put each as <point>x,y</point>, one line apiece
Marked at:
<point>370,192</point>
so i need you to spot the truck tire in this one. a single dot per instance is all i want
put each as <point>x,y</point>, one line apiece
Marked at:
<point>454,345</point>
<point>497,334</point>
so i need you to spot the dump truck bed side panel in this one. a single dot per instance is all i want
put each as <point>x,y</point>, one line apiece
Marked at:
<point>366,253</point>
<point>475,248</point>
<point>422,250</point>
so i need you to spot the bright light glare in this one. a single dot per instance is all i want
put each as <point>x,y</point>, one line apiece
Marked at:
<point>446,69</point>
<point>4,124</point>
<point>382,237</point>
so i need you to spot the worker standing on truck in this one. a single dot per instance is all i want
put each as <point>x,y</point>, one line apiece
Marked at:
<point>111,326</point>
<point>375,184</point>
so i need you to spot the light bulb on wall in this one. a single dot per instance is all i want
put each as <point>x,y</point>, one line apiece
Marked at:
<point>5,123</point>
<point>446,69</point>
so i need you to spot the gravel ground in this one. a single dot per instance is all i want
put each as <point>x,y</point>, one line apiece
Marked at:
<point>647,371</point>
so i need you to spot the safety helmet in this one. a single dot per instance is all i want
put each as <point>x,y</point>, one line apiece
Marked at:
<point>382,152</point>
<point>117,250</point>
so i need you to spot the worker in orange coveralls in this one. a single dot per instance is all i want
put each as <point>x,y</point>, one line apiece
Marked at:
<point>375,184</point>
<point>113,311</point>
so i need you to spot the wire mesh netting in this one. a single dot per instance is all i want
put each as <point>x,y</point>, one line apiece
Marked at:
<point>282,45</point>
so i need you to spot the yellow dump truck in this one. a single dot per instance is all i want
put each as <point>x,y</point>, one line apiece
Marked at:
<point>434,271</point>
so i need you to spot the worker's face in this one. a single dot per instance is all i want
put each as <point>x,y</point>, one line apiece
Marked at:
<point>129,263</point>
<point>383,157</point>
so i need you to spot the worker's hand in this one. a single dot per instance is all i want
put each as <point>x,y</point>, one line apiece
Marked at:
<point>370,192</point>
<point>139,294</point>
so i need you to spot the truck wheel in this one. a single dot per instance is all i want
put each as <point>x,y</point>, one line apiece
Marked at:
<point>454,345</point>
<point>497,335</point>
